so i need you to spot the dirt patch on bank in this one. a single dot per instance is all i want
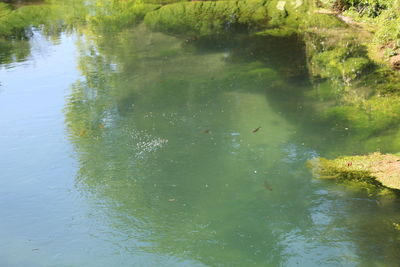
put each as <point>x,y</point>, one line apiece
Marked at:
<point>395,62</point>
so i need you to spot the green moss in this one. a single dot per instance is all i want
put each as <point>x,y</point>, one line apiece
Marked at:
<point>341,61</point>
<point>14,22</point>
<point>339,169</point>
<point>376,168</point>
<point>217,17</point>
<point>206,18</point>
<point>287,13</point>
<point>111,15</point>
<point>329,62</point>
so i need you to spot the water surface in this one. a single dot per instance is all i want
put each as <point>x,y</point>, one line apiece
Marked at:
<point>135,148</point>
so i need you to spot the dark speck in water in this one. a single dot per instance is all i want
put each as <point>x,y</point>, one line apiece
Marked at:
<point>267,186</point>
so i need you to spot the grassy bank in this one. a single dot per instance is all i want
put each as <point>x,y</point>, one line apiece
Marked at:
<point>376,168</point>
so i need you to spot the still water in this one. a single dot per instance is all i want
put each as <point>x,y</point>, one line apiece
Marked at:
<point>141,149</point>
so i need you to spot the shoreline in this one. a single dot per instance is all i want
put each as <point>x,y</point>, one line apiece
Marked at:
<point>382,170</point>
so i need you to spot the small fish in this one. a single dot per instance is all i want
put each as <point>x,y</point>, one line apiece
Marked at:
<point>172,200</point>
<point>206,131</point>
<point>267,186</point>
<point>256,129</point>
<point>34,249</point>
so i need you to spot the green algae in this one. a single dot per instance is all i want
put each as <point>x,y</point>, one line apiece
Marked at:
<point>378,169</point>
<point>342,58</point>
<point>110,15</point>
<point>287,13</point>
<point>13,22</point>
<point>218,17</point>
<point>205,18</point>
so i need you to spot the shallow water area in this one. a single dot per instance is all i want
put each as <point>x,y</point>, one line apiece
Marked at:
<point>136,148</point>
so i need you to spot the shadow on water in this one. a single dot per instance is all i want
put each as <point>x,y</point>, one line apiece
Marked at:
<point>165,135</point>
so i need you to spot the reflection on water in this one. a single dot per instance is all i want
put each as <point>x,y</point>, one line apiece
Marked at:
<point>166,139</point>
<point>169,168</point>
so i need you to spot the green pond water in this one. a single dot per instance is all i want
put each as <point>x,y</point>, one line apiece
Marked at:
<point>135,148</point>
